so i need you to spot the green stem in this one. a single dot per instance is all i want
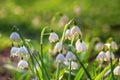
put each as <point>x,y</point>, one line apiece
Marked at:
<point>66,26</point>
<point>69,77</point>
<point>41,51</point>
<point>111,64</point>
<point>22,38</point>
<point>87,73</point>
<point>58,71</point>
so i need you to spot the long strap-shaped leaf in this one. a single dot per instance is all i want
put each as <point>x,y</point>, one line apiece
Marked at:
<point>104,71</point>
<point>80,73</point>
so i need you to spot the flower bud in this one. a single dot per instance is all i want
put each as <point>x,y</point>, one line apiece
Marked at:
<point>14,36</point>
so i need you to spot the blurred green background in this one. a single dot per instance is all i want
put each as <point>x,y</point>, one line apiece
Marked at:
<point>95,18</point>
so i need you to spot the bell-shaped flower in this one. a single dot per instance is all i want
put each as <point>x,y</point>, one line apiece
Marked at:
<point>116,71</point>
<point>75,30</point>
<point>60,58</point>
<point>13,51</point>
<point>80,46</point>
<point>108,55</point>
<point>99,46</point>
<point>53,37</point>
<point>114,45</point>
<point>14,36</point>
<point>70,56</point>
<point>58,47</point>
<point>23,51</point>
<point>67,34</point>
<point>22,64</point>
<point>101,56</point>
<point>63,20</point>
<point>74,65</point>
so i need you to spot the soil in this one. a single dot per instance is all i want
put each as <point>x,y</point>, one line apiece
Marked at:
<point>5,74</point>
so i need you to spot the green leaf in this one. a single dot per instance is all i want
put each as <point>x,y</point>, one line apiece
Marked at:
<point>100,75</point>
<point>80,73</point>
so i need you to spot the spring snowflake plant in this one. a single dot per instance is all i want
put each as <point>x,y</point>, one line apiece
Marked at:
<point>71,60</point>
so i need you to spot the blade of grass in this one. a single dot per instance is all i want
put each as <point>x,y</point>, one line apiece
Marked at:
<point>100,75</point>
<point>80,73</point>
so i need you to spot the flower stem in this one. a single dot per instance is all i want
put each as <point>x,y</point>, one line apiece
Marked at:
<point>41,51</point>
<point>69,77</point>
<point>87,73</point>
<point>66,26</point>
<point>111,64</point>
<point>29,51</point>
<point>58,71</point>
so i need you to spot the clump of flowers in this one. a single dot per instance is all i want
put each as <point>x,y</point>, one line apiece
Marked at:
<point>71,56</point>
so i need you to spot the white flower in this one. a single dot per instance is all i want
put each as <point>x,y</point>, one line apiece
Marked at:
<point>60,58</point>
<point>70,56</point>
<point>58,47</point>
<point>75,30</point>
<point>80,46</point>
<point>114,45</point>
<point>108,55</point>
<point>22,64</point>
<point>63,20</point>
<point>14,51</point>
<point>23,51</point>
<point>77,9</point>
<point>53,37</point>
<point>116,71</point>
<point>101,56</point>
<point>99,46</point>
<point>67,34</point>
<point>74,65</point>
<point>14,36</point>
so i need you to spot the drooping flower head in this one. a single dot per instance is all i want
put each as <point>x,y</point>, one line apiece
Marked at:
<point>108,53</point>
<point>13,51</point>
<point>14,36</point>
<point>116,71</point>
<point>114,45</point>
<point>101,56</point>
<point>75,30</point>
<point>58,47</point>
<point>53,37</point>
<point>99,46</point>
<point>70,56</point>
<point>80,46</point>
<point>67,34</point>
<point>60,58</point>
<point>23,51</point>
<point>22,64</point>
